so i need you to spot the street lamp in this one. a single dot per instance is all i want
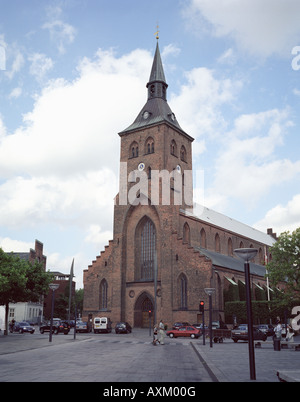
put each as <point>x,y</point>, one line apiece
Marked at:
<point>248,254</point>
<point>210,292</point>
<point>53,287</point>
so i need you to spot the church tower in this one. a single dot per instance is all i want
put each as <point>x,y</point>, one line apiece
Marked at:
<point>155,183</point>
<point>155,147</point>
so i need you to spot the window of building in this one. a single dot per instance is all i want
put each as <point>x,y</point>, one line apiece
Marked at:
<point>183,153</point>
<point>149,146</point>
<point>173,148</point>
<point>145,251</point>
<point>217,243</point>
<point>230,247</point>
<point>203,238</point>
<point>186,233</point>
<point>103,295</point>
<point>134,150</point>
<point>182,287</point>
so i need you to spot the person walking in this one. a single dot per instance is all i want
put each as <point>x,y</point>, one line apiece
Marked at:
<point>155,332</point>
<point>161,332</point>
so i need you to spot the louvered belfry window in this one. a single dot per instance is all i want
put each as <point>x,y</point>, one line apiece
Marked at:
<point>147,250</point>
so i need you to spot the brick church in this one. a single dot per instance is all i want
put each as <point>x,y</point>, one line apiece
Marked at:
<point>164,251</point>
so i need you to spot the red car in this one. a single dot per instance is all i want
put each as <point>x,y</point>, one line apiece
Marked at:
<point>184,331</point>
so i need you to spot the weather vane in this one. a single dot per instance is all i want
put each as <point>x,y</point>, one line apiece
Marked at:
<point>157,32</point>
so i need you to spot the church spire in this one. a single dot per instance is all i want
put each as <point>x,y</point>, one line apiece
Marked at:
<point>157,86</point>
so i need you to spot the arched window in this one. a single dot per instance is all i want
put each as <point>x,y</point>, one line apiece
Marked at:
<point>103,295</point>
<point>145,252</point>
<point>182,291</point>
<point>217,243</point>
<point>149,146</point>
<point>173,148</point>
<point>183,153</point>
<point>134,150</point>
<point>230,247</point>
<point>186,233</point>
<point>203,238</point>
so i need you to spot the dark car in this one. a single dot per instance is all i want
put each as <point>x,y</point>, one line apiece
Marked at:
<point>82,326</point>
<point>180,324</point>
<point>57,327</point>
<point>22,327</point>
<point>241,333</point>
<point>122,328</point>
<point>266,328</point>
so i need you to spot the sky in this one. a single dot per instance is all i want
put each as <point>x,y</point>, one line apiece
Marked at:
<point>73,74</point>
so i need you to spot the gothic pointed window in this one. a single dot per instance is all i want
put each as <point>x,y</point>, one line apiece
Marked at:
<point>186,233</point>
<point>103,295</point>
<point>146,245</point>
<point>182,292</point>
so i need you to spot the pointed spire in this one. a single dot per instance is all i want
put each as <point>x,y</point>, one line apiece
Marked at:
<point>157,86</point>
<point>157,72</point>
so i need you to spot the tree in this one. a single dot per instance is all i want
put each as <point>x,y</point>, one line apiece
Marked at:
<point>285,265</point>
<point>21,281</point>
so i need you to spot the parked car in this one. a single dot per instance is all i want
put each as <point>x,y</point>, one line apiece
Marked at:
<point>180,324</point>
<point>82,327</point>
<point>184,331</point>
<point>23,327</point>
<point>122,328</point>
<point>266,328</point>
<point>241,333</point>
<point>57,327</point>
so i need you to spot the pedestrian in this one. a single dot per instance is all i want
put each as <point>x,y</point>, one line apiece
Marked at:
<point>155,338</point>
<point>278,330</point>
<point>161,332</point>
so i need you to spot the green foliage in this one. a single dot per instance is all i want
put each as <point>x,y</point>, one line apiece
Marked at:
<point>20,280</point>
<point>285,264</point>
<point>262,311</point>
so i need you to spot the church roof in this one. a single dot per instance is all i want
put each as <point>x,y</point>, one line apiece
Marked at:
<point>225,222</point>
<point>156,110</point>
<point>228,262</point>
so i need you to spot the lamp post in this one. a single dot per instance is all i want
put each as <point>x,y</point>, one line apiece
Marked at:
<point>210,292</point>
<point>53,287</point>
<point>248,254</point>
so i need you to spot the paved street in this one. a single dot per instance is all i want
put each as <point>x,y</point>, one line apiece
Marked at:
<point>101,357</point>
<point>131,358</point>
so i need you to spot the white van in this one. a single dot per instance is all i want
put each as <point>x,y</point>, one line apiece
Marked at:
<point>102,324</point>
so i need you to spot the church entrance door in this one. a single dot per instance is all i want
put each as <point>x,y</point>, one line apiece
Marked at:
<point>143,305</point>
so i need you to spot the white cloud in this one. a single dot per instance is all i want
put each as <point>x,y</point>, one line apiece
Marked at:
<point>15,93</point>
<point>259,27</point>
<point>247,166</point>
<point>62,165</point>
<point>199,101</point>
<point>16,246</point>
<point>282,217</point>
<point>40,65</point>
<point>61,33</point>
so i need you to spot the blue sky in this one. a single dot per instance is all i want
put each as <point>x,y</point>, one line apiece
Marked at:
<point>73,74</point>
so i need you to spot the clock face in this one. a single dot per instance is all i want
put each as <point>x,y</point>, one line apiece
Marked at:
<point>146,115</point>
<point>173,116</point>
<point>141,166</point>
<point>178,168</point>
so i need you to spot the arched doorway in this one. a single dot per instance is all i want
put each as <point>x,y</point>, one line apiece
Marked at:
<point>143,305</point>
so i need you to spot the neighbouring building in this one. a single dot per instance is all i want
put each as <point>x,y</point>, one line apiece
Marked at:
<point>29,311</point>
